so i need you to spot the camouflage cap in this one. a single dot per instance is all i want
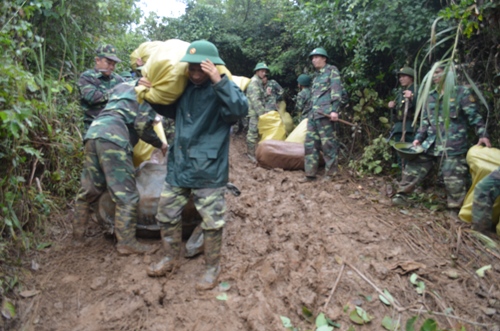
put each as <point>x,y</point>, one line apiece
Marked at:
<point>407,71</point>
<point>108,51</point>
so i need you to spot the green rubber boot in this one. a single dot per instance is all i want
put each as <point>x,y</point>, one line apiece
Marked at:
<point>125,224</point>
<point>213,244</point>
<point>171,237</point>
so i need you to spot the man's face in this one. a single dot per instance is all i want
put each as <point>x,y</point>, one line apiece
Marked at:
<point>104,65</point>
<point>405,80</point>
<point>196,74</point>
<point>261,73</point>
<point>437,76</point>
<point>318,61</point>
<point>264,80</point>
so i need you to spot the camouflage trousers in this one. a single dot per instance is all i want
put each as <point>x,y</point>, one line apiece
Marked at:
<point>320,136</point>
<point>485,194</point>
<point>253,130</point>
<point>108,166</point>
<point>453,168</point>
<point>209,202</point>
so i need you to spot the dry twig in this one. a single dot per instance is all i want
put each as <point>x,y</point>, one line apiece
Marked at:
<point>334,287</point>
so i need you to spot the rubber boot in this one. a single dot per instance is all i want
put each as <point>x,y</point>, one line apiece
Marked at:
<point>213,243</point>
<point>80,221</point>
<point>251,151</point>
<point>171,237</point>
<point>125,224</point>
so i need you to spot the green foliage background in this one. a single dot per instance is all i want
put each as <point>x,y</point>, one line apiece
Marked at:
<point>46,44</point>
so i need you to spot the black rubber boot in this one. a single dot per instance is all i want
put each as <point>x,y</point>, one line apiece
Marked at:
<point>125,224</point>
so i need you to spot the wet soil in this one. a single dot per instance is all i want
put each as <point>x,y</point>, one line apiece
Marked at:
<point>289,249</point>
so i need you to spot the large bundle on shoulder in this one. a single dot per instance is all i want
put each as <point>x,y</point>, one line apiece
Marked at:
<point>143,52</point>
<point>482,161</point>
<point>168,76</point>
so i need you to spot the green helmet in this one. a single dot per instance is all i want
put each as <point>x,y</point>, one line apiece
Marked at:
<point>260,65</point>
<point>108,51</point>
<point>319,51</point>
<point>304,80</point>
<point>201,50</point>
<point>407,71</point>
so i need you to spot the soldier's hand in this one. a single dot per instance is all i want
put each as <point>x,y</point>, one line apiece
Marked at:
<point>391,104</point>
<point>211,70</point>
<point>145,82</point>
<point>334,117</point>
<point>484,141</point>
<point>408,94</point>
<point>164,148</point>
<point>416,143</point>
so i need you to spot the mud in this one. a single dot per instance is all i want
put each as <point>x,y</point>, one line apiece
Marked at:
<point>326,246</point>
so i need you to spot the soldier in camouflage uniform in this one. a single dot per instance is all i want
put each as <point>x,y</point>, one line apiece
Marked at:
<point>327,91</point>
<point>303,99</point>
<point>274,93</point>
<point>108,164</point>
<point>198,161</point>
<point>450,149</point>
<point>257,102</point>
<point>94,84</point>
<point>485,194</point>
<point>406,92</point>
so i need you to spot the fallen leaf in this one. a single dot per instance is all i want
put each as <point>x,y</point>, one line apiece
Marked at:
<point>407,266</point>
<point>480,272</point>
<point>451,273</point>
<point>29,293</point>
<point>222,297</point>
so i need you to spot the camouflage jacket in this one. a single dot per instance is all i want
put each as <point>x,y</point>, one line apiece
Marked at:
<point>399,109</point>
<point>462,113</point>
<point>303,102</point>
<point>124,120</point>
<point>276,95</point>
<point>256,97</point>
<point>326,91</point>
<point>94,90</point>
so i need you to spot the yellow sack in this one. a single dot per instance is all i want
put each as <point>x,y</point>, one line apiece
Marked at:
<point>143,150</point>
<point>271,126</point>
<point>168,76</point>
<point>298,135</point>
<point>242,82</point>
<point>285,117</point>
<point>165,72</point>
<point>482,161</point>
<point>143,52</point>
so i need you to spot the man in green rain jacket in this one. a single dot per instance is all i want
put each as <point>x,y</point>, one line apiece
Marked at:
<point>198,161</point>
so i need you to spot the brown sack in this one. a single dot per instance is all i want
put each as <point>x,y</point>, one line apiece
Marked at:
<point>280,154</point>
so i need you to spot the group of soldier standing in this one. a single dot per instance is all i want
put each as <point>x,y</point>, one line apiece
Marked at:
<point>198,156</point>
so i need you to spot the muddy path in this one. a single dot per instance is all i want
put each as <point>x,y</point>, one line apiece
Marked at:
<point>324,246</point>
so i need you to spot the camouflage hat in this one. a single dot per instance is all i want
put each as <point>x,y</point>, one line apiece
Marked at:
<point>304,80</point>
<point>260,65</point>
<point>407,71</point>
<point>319,51</point>
<point>108,51</point>
<point>200,50</point>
